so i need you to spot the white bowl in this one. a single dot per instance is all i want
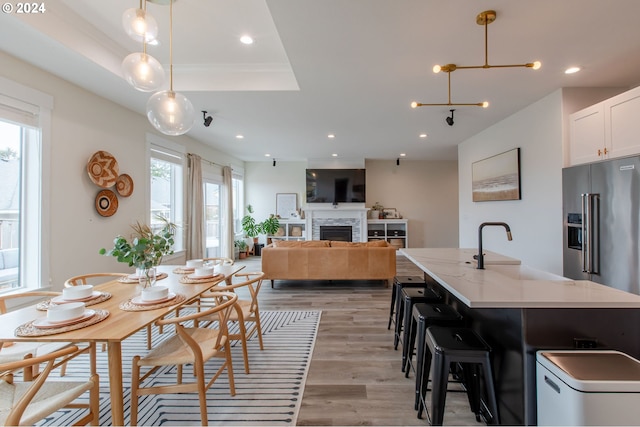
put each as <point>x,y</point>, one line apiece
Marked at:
<point>195,263</point>
<point>154,293</point>
<point>203,272</point>
<point>65,312</point>
<point>77,292</point>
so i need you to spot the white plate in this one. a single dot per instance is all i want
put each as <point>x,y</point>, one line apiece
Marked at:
<point>139,301</point>
<point>60,300</point>
<point>44,323</point>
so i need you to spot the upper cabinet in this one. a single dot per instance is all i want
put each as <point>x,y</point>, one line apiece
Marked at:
<point>606,130</point>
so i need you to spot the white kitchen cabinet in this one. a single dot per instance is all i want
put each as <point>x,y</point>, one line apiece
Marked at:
<point>606,130</point>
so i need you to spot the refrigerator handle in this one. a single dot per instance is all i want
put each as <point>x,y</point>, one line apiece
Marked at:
<point>587,232</point>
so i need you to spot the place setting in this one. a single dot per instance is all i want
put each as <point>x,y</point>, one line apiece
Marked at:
<point>81,293</point>
<point>190,266</point>
<point>135,277</point>
<point>202,274</point>
<point>152,298</point>
<point>62,318</point>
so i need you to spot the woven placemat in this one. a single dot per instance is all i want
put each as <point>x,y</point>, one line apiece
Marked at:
<point>134,279</point>
<point>128,305</point>
<point>189,280</point>
<point>44,305</point>
<point>183,270</point>
<point>28,330</point>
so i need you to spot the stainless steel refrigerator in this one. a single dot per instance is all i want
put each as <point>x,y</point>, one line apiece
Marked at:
<point>601,208</point>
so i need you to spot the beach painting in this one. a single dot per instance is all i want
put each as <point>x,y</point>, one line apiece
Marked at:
<point>497,177</point>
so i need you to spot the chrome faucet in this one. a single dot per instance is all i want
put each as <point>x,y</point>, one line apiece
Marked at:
<point>480,256</point>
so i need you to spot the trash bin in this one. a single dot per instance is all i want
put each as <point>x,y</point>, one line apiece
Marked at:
<point>257,249</point>
<point>587,387</point>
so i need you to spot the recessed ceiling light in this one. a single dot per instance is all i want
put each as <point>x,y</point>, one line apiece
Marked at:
<point>246,39</point>
<point>572,70</point>
<point>239,136</point>
<point>267,155</point>
<point>403,154</point>
<point>331,136</point>
<point>334,155</point>
<point>423,135</point>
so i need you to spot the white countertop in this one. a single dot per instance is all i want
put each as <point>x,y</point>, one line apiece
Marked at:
<point>507,283</point>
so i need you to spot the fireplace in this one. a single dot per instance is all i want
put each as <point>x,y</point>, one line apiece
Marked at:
<point>336,232</point>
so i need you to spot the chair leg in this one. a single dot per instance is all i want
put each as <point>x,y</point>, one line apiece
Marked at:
<point>393,303</point>
<point>421,354</point>
<point>491,392</point>
<point>399,315</point>
<point>259,329</point>
<point>232,384</point>
<point>202,392</point>
<point>424,382</point>
<point>407,348</point>
<point>406,329</point>
<point>440,368</point>
<point>94,399</point>
<point>148,337</point>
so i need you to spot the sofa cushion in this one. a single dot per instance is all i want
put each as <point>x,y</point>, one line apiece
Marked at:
<point>301,244</point>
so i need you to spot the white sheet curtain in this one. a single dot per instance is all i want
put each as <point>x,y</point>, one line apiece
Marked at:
<point>227,227</point>
<point>195,209</point>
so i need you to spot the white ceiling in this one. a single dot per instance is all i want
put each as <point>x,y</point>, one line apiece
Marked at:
<point>347,67</point>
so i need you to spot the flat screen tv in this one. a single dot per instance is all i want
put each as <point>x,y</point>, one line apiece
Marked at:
<point>335,186</point>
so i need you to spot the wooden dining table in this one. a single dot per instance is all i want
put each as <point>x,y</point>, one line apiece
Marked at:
<point>118,326</point>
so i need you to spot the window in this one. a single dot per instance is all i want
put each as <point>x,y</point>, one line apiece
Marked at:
<point>237,182</point>
<point>24,155</point>
<point>166,195</point>
<point>212,218</point>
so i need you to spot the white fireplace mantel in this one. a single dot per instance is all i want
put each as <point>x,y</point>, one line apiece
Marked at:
<point>327,214</point>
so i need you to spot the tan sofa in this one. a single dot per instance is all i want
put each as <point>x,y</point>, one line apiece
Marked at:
<point>329,260</point>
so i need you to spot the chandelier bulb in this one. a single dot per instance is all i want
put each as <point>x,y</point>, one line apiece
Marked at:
<point>536,65</point>
<point>139,25</point>
<point>485,104</point>
<point>170,112</point>
<point>437,68</point>
<point>143,72</point>
<point>414,104</point>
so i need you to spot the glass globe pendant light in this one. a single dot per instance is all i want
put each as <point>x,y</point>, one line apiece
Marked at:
<point>139,25</point>
<point>170,112</point>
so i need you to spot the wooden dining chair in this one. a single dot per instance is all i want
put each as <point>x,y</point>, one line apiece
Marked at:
<point>27,402</point>
<point>193,345</point>
<point>245,310</point>
<point>96,278</point>
<point>14,351</point>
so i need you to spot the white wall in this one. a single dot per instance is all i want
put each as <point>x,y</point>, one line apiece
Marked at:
<point>83,123</point>
<point>423,192</point>
<point>536,219</point>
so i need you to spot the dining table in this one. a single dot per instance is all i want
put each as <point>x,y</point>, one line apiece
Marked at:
<point>122,318</point>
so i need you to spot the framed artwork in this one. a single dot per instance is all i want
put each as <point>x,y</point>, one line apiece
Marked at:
<point>287,205</point>
<point>390,213</point>
<point>497,177</point>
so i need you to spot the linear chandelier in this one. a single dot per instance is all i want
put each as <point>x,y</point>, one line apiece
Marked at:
<point>485,18</point>
<point>450,68</point>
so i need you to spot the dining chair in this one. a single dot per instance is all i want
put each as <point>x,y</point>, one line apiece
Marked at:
<point>27,402</point>
<point>191,344</point>
<point>14,351</point>
<point>96,278</point>
<point>245,310</point>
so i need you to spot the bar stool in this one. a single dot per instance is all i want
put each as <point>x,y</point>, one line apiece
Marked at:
<point>400,282</point>
<point>408,297</point>
<point>424,316</point>
<point>457,345</point>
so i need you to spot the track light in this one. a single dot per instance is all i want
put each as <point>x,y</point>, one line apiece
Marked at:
<point>449,120</point>
<point>274,163</point>
<point>398,161</point>
<point>207,120</point>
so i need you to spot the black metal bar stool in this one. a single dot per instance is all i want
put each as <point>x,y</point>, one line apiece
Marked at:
<point>408,297</point>
<point>423,316</point>
<point>448,345</point>
<point>400,282</point>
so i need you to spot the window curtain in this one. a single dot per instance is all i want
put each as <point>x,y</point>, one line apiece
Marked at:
<point>195,209</point>
<point>227,228</point>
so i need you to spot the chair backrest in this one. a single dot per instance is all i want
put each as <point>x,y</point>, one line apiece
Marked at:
<point>84,279</point>
<point>218,261</point>
<point>29,294</point>
<point>253,282</point>
<point>224,305</point>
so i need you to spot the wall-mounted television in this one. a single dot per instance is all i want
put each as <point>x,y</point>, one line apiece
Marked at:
<point>335,186</point>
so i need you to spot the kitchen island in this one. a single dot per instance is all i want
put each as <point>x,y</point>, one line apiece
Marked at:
<point>519,310</point>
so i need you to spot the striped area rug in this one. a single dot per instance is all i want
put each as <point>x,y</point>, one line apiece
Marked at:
<point>269,396</point>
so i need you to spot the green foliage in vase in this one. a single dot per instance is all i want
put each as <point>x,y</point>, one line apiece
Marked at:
<point>249,225</point>
<point>145,248</point>
<point>270,225</point>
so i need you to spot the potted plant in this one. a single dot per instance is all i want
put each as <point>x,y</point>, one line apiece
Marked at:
<point>376,211</point>
<point>242,248</point>
<point>270,226</point>
<point>249,225</point>
<point>145,248</point>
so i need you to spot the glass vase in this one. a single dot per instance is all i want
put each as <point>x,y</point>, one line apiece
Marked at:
<point>146,277</point>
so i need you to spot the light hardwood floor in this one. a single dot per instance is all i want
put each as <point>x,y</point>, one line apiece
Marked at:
<point>355,375</point>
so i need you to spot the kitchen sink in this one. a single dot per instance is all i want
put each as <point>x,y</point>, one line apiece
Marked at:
<point>522,272</point>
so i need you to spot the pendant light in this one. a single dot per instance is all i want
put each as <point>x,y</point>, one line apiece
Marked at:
<point>139,25</point>
<point>170,112</point>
